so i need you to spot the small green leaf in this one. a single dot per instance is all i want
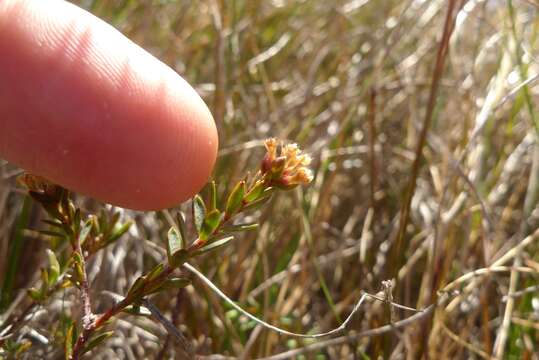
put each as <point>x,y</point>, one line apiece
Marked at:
<point>211,222</point>
<point>85,231</point>
<point>65,204</point>
<point>137,310</point>
<point>114,219</point>
<point>255,191</point>
<point>199,212</point>
<point>176,283</point>
<point>168,284</point>
<point>213,196</point>
<point>102,221</point>
<point>240,227</point>
<point>137,285</point>
<point>119,231</point>
<point>235,198</point>
<point>76,218</point>
<point>77,265</point>
<point>96,340</point>
<point>52,233</point>
<point>35,294</point>
<point>214,245</point>
<point>257,203</point>
<point>174,243</point>
<point>155,272</point>
<point>156,287</point>
<point>181,226</point>
<point>53,223</point>
<point>70,339</point>
<point>54,267</point>
<point>44,281</point>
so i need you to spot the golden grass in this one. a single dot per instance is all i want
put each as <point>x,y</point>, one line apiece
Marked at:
<point>426,161</point>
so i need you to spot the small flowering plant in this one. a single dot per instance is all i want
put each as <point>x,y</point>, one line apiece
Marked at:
<point>283,167</point>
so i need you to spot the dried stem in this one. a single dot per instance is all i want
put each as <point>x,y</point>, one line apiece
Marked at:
<point>436,77</point>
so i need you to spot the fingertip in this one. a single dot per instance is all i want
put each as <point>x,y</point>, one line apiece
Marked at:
<point>85,107</point>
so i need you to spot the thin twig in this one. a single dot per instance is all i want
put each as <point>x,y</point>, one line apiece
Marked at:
<point>501,261</point>
<point>171,328</point>
<point>463,343</point>
<point>353,336</point>
<point>265,324</point>
<point>175,320</point>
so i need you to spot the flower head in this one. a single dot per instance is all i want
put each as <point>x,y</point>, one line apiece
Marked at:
<point>285,166</point>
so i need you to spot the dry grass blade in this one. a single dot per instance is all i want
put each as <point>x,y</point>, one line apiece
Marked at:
<point>420,120</point>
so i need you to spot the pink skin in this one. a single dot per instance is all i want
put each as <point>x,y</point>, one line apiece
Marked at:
<point>83,106</point>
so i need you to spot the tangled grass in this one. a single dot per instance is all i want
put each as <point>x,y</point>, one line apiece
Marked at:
<point>420,120</point>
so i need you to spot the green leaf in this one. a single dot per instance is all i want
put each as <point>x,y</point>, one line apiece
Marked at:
<point>102,221</point>
<point>70,339</point>
<point>114,219</point>
<point>213,196</point>
<point>258,203</point>
<point>85,231</point>
<point>154,288</point>
<point>65,205</point>
<point>211,222</point>
<point>155,272</point>
<point>53,223</point>
<point>137,285</point>
<point>44,281</point>
<point>240,227</point>
<point>77,265</point>
<point>137,310</point>
<point>181,226</point>
<point>174,243</point>
<point>214,245</point>
<point>235,198</point>
<point>96,340</point>
<point>119,231</point>
<point>54,267</point>
<point>255,192</point>
<point>176,283</point>
<point>199,212</point>
<point>15,250</point>
<point>52,233</point>
<point>35,294</point>
<point>76,218</point>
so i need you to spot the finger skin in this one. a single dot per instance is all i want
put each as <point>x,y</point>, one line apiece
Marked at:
<point>83,106</point>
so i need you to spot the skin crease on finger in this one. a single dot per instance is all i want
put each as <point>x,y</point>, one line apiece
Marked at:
<point>86,108</point>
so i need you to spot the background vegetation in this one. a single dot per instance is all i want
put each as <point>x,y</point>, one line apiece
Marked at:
<point>365,87</point>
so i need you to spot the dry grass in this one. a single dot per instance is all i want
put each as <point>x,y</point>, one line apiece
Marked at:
<point>421,118</point>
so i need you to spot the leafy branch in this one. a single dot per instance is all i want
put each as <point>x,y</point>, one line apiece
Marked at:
<point>283,167</point>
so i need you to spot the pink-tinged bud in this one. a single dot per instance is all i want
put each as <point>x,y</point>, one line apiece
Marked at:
<point>271,153</point>
<point>271,145</point>
<point>277,166</point>
<point>266,164</point>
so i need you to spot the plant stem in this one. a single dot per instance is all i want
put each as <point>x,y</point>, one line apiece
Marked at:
<point>90,324</point>
<point>88,316</point>
<point>115,309</point>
